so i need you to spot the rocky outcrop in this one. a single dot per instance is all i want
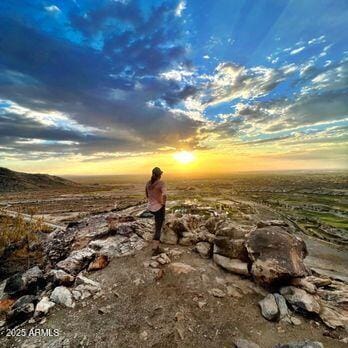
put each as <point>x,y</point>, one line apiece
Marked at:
<point>276,255</point>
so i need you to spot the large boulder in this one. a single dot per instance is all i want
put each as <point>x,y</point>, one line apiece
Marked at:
<point>300,299</point>
<point>276,255</point>
<point>28,282</point>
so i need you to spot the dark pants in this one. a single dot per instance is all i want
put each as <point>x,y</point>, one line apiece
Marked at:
<point>159,219</point>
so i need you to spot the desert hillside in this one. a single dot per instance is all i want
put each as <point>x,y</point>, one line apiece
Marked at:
<point>11,181</point>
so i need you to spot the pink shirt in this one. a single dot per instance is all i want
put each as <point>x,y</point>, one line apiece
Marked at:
<point>155,193</point>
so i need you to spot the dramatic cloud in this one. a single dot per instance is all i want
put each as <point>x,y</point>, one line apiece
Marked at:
<point>113,79</point>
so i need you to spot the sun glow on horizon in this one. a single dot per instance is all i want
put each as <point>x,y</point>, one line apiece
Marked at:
<point>184,157</point>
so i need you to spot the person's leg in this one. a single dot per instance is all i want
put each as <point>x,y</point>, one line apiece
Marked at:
<point>159,219</point>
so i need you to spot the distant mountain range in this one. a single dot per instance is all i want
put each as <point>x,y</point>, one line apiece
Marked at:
<point>11,181</point>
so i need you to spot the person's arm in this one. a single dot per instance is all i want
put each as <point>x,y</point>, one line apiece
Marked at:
<point>164,194</point>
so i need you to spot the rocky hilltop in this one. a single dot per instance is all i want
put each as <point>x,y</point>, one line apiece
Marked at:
<point>217,283</point>
<point>11,181</point>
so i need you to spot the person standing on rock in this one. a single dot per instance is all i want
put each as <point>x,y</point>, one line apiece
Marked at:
<point>156,194</point>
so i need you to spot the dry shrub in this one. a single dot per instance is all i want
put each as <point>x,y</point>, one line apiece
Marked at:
<point>15,229</point>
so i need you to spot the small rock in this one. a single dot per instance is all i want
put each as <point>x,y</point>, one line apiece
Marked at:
<point>204,249</point>
<point>217,292</point>
<point>62,295</point>
<point>76,295</point>
<point>43,307</point>
<point>232,265</point>
<point>269,308</point>
<point>154,264</point>
<point>300,299</point>
<point>59,277</point>
<point>179,316</point>
<point>180,267</point>
<point>296,321</point>
<point>143,335</point>
<point>104,310</point>
<point>100,262</point>
<point>233,292</point>
<point>162,259</point>
<point>242,343</point>
<point>201,304</point>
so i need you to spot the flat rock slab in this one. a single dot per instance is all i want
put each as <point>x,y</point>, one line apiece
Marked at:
<point>232,265</point>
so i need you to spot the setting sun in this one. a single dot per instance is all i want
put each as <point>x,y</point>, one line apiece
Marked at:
<point>184,157</point>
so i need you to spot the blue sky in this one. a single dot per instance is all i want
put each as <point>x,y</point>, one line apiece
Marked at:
<point>102,80</point>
